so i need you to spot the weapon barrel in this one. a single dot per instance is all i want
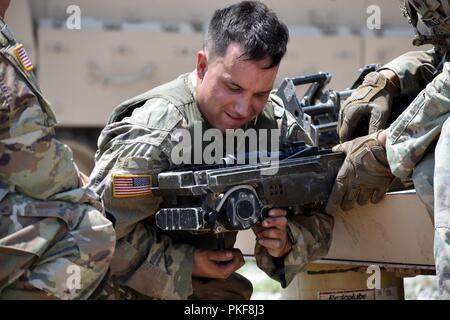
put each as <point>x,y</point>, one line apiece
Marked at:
<point>320,108</point>
<point>320,77</point>
<point>326,127</point>
<point>345,94</point>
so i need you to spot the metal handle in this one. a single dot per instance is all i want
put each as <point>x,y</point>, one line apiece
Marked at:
<point>319,77</point>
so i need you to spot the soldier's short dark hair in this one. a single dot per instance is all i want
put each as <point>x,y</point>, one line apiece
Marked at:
<point>253,26</point>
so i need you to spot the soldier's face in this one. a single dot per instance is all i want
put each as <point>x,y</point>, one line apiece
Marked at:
<point>230,91</point>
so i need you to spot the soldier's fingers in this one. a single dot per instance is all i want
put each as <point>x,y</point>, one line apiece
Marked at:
<point>278,222</point>
<point>348,202</point>
<point>273,234</point>
<point>220,255</point>
<point>257,228</point>
<point>378,119</point>
<point>277,212</point>
<point>345,147</point>
<point>231,266</point>
<point>352,117</point>
<point>378,195</point>
<point>336,196</point>
<point>338,148</point>
<point>345,132</point>
<point>271,243</point>
<point>84,179</point>
<point>239,261</point>
<point>364,196</point>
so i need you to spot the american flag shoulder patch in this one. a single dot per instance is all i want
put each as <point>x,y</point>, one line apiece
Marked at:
<point>23,57</point>
<point>126,185</point>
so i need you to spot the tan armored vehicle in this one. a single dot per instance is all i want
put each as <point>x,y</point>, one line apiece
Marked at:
<point>92,55</point>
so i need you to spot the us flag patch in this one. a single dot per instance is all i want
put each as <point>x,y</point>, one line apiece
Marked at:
<point>23,57</point>
<point>125,186</point>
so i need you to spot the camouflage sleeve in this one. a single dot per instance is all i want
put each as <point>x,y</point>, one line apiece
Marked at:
<point>54,240</point>
<point>31,159</point>
<point>418,127</point>
<point>52,249</point>
<point>414,69</point>
<point>145,260</point>
<point>310,235</point>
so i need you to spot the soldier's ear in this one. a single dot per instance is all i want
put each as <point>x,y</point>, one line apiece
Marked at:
<point>202,64</point>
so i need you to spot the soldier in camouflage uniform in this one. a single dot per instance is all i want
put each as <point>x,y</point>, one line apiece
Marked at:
<point>55,242</point>
<point>229,89</point>
<point>408,147</point>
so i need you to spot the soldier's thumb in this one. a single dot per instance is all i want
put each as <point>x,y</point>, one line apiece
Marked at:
<point>343,147</point>
<point>336,196</point>
<point>337,148</point>
<point>378,120</point>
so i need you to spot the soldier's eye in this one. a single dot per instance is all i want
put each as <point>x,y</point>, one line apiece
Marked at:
<point>234,88</point>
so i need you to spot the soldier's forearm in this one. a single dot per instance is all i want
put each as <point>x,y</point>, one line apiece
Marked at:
<point>394,81</point>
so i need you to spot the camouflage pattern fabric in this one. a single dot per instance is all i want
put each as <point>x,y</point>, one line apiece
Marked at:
<point>411,149</point>
<point>442,211</point>
<point>415,70</point>
<point>52,249</point>
<point>138,141</point>
<point>236,287</point>
<point>423,178</point>
<point>418,127</point>
<point>54,239</point>
<point>31,160</point>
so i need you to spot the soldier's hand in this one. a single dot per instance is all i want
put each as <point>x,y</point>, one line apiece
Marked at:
<point>372,100</point>
<point>271,233</point>
<point>83,179</point>
<point>217,264</point>
<point>364,176</point>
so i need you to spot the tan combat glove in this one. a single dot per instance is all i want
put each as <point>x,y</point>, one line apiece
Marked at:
<point>365,174</point>
<point>372,99</point>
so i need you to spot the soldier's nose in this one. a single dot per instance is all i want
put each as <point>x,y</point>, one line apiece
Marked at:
<point>243,109</point>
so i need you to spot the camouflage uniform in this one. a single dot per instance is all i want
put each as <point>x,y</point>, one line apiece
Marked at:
<point>54,240</point>
<point>150,263</point>
<point>411,144</point>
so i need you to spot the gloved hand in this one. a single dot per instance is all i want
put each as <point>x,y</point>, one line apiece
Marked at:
<point>365,174</point>
<point>372,99</point>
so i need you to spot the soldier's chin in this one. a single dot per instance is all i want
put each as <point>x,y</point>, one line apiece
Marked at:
<point>232,123</point>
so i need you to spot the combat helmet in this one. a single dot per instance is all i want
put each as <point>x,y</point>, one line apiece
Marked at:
<point>430,19</point>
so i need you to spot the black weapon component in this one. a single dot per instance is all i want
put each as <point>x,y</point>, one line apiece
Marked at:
<point>318,111</point>
<point>235,198</point>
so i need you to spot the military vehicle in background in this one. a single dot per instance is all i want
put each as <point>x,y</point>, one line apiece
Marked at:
<point>124,48</point>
